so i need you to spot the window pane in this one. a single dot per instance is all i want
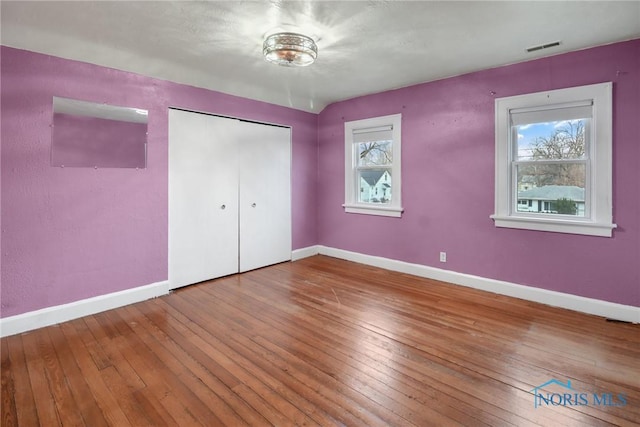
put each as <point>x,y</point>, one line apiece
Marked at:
<point>562,139</point>
<point>375,153</point>
<point>551,189</point>
<point>374,185</point>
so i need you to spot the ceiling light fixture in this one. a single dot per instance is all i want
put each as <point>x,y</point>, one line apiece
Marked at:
<point>290,49</point>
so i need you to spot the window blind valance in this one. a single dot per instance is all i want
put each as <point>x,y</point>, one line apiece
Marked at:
<point>550,113</point>
<point>379,133</point>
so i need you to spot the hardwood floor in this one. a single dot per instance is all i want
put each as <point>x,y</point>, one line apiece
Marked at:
<point>323,341</point>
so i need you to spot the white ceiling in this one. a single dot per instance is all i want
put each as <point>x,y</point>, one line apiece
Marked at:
<point>364,46</point>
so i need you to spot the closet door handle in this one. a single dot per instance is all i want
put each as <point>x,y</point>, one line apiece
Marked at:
<point>253,205</point>
<point>223,207</point>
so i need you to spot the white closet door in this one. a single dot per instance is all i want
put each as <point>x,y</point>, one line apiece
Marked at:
<point>265,195</point>
<point>203,197</point>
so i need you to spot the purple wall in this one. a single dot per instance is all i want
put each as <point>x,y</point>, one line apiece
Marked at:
<point>74,233</point>
<point>448,180</point>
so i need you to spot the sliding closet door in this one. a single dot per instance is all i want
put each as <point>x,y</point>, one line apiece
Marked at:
<point>203,197</point>
<point>265,195</point>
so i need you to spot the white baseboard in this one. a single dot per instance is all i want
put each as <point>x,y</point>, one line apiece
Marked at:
<point>73,310</point>
<point>606,309</point>
<point>305,252</point>
<point>62,313</point>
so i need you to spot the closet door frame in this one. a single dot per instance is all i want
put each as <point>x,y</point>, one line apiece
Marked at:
<point>200,251</point>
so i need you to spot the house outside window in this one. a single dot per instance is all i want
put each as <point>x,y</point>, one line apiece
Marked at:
<point>553,161</point>
<point>373,166</point>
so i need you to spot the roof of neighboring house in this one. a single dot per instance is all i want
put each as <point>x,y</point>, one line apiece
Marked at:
<point>371,176</point>
<point>553,192</point>
<point>527,179</point>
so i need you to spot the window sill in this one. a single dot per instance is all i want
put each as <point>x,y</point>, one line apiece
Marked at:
<point>392,211</point>
<point>555,225</point>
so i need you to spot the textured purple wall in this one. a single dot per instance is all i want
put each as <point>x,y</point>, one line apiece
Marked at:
<point>69,234</point>
<point>75,233</point>
<point>448,180</point>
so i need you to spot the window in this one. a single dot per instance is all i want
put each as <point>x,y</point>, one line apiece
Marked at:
<point>553,161</point>
<point>372,166</point>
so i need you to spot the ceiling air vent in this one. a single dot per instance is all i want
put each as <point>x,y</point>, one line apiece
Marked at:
<point>543,46</point>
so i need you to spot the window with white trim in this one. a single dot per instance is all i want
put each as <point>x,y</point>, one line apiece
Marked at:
<point>554,161</point>
<point>372,166</point>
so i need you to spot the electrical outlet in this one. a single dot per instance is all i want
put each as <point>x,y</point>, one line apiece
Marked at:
<point>443,257</point>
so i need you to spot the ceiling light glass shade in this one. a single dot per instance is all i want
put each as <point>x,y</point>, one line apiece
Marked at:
<point>290,49</point>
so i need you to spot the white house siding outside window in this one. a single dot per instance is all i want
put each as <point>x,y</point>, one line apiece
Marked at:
<point>553,161</point>
<point>373,166</point>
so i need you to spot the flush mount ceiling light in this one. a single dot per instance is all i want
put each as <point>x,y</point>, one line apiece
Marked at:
<point>290,49</point>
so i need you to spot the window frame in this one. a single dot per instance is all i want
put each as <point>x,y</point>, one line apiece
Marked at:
<point>351,204</point>
<point>598,219</point>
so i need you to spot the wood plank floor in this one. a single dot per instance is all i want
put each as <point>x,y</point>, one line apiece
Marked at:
<point>323,341</point>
